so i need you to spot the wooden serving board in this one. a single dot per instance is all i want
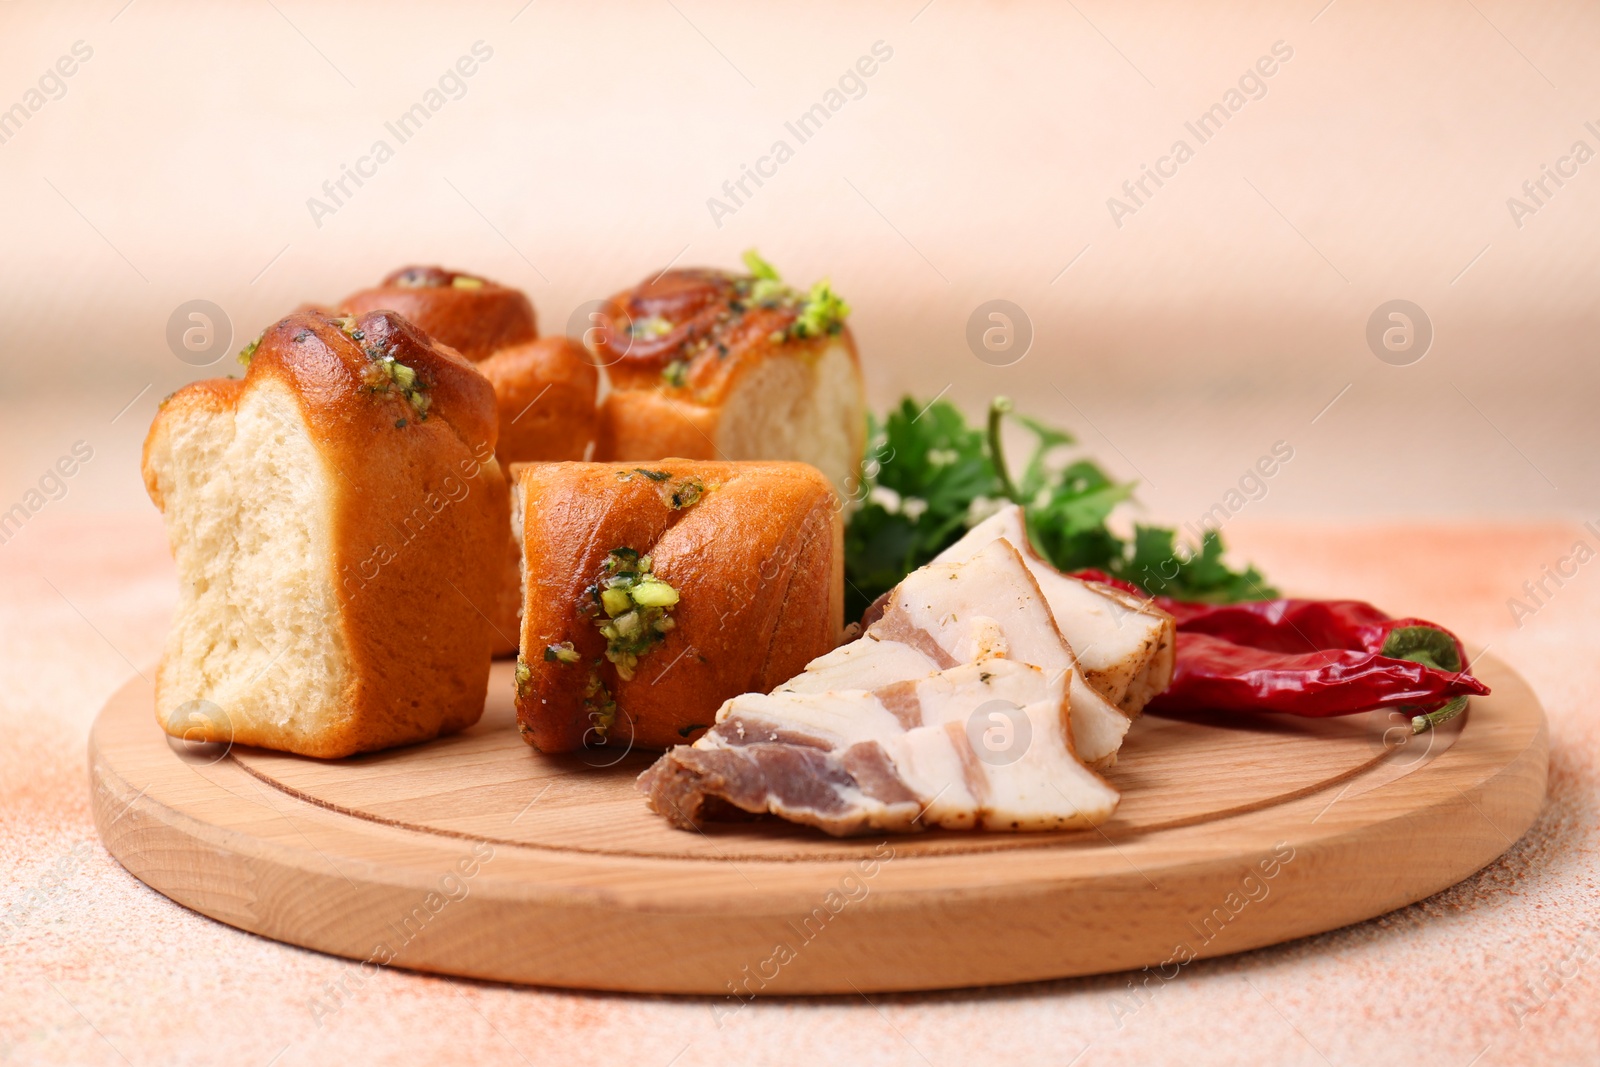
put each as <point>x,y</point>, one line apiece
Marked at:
<point>475,856</point>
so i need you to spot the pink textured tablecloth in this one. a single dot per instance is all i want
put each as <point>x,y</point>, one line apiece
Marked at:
<point>97,968</point>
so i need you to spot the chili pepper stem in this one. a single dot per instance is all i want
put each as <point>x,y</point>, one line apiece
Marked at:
<point>999,408</point>
<point>1424,723</point>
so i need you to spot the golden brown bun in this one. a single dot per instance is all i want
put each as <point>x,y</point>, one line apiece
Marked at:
<point>700,370</point>
<point>475,320</point>
<point>545,390</point>
<point>758,565</point>
<point>336,546</point>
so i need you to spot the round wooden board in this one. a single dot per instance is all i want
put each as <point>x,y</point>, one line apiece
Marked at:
<point>475,856</point>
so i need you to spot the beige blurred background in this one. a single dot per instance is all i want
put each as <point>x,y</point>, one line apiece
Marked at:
<point>1227,312</point>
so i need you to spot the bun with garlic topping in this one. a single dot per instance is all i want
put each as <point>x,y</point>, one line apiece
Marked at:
<point>471,314</point>
<point>655,591</point>
<point>544,388</point>
<point>337,519</point>
<point>710,365</point>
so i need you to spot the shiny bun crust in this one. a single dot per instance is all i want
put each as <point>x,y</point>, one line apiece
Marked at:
<point>472,315</point>
<point>545,388</point>
<point>546,392</point>
<point>701,368</point>
<point>335,365</point>
<point>698,317</point>
<point>753,551</point>
<point>338,519</point>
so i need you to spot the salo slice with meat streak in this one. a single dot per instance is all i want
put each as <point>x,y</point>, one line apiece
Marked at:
<point>961,707</point>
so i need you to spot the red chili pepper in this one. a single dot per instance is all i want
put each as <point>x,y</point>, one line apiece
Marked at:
<point>1309,657</point>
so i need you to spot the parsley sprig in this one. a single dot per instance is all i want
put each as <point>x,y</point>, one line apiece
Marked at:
<point>821,310</point>
<point>930,477</point>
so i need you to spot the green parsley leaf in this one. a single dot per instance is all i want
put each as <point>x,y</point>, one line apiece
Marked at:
<point>247,353</point>
<point>822,313</point>
<point>759,267</point>
<point>930,477</point>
